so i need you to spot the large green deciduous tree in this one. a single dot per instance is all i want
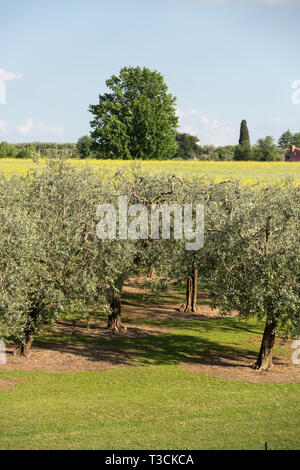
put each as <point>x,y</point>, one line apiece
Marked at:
<point>136,118</point>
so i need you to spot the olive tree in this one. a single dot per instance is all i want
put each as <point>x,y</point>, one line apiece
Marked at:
<point>191,266</point>
<point>254,266</point>
<point>50,255</point>
<point>141,251</point>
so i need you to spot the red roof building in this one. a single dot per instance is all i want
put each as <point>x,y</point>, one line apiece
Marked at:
<point>293,155</point>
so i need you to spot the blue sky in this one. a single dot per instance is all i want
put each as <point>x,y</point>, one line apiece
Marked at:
<point>224,60</point>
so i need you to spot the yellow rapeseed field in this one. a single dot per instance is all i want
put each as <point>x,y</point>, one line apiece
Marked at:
<point>247,172</point>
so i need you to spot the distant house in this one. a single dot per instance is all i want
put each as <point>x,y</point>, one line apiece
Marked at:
<point>293,155</point>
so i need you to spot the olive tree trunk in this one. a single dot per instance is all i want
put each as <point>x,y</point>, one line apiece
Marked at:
<point>190,304</point>
<point>151,272</point>
<point>264,358</point>
<point>23,349</point>
<point>114,322</point>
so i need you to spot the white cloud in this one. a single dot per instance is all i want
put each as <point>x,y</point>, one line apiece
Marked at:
<point>27,128</point>
<point>190,112</point>
<point>49,130</point>
<point>40,128</point>
<point>9,76</point>
<point>3,127</point>
<point>190,130</point>
<point>211,131</point>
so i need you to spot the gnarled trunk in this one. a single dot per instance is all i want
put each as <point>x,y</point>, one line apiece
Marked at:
<point>190,304</point>
<point>114,319</point>
<point>264,358</point>
<point>151,272</point>
<point>23,348</point>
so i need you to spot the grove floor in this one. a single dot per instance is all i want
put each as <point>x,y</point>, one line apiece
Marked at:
<point>174,381</point>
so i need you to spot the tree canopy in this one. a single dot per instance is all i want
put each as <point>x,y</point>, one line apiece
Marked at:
<point>84,146</point>
<point>287,139</point>
<point>254,263</point>
<point>52,259</point>
<point>136,118</point>
<point>187,146</point>
<point>244,133</point>
<point>266,150</point>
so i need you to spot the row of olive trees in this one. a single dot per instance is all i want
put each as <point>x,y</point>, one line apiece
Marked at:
<point>51,257</point>
<point>250,257</point>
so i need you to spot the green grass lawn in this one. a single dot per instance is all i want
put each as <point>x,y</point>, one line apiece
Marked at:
<point>154,403</point>
<point>146,407</point>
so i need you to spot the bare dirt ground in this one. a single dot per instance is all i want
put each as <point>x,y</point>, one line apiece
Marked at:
<point>62,357</point>
<point>238,367</point>
<point>69,357</point>
<point>166,310</point>
<point>169,312</point>
<point>66,357</point>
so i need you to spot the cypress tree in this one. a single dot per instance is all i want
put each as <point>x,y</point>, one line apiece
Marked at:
<point>243,150</point>
<point>244,133</point>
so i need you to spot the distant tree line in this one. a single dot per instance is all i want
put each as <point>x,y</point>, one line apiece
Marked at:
<point>137,119</point>
<point>188,148</point>
<point>36,150</point>
<point>264,150</point>
<point>288,138</point>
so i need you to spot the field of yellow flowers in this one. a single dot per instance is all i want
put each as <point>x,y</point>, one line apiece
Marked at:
<point>247,172</point>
